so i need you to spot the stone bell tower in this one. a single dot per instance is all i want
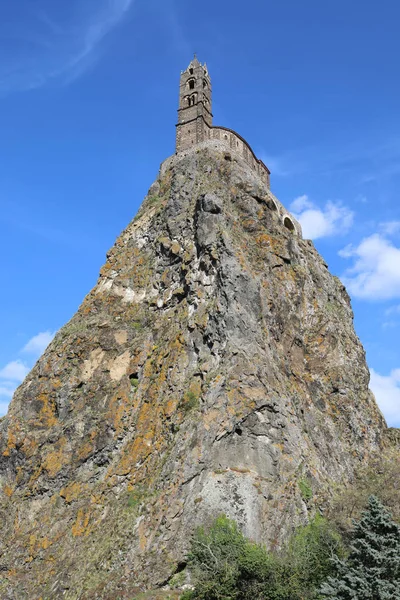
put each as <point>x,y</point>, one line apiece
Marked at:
<point>194,112</point>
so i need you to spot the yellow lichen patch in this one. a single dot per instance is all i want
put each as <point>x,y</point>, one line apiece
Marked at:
<point>71,492</point>
<point>105,269</point>
<point>170,407</point>
<point>87,448</point>
<point>8,490</point>
<point>55,460</point>
<point>12,438</point>
<point>80,527</point>
<point>119,409</point>
<point>29,447</point>
<point>47,414</point>
<point>46,543</point>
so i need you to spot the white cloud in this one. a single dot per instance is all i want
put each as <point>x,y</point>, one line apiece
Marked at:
<point>300,204</point>
<point>390,227</point>
<point>387,394</point>
<point>333,219</point>
<point>7,390</point>
<point>14,371</point>
<point>393,310</point>
<point>38,344</point>
<point>375,274</point>
<point>50,49</point>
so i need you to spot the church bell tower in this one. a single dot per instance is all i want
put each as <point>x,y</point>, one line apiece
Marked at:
<point>194,112</point>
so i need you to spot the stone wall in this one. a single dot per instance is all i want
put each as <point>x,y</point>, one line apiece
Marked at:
<point>238,144</point>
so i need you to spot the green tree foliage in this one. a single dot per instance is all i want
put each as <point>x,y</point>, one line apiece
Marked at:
<point>226,566</point>
<point>309,555</point>
<point>372,569</point>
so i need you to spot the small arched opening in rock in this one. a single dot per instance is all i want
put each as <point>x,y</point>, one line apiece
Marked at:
<point>271,204</point>
<point>238,431</point>
<point>288,223</point>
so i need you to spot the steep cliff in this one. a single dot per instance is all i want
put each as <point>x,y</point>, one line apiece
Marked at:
<point>213,368</point>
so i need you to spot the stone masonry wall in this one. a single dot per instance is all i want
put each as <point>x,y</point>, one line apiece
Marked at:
<point>239,145</point>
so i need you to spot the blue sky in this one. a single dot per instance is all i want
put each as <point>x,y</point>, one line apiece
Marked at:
<point>88,98</point>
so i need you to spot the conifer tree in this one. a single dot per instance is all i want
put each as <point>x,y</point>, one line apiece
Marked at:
<point>372,569</point>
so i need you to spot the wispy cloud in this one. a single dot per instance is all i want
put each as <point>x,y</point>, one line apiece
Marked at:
<point>47,48</point>
<point>38,344</point>
<point>317,222</point>
<point>390,227</point>
<point>14,372</point>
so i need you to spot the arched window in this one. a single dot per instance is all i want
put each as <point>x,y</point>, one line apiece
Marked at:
<point>288,223</point>
<point>191,84</point>
<point>189,100</point>
<point>191,71</point>
<point>204,83</point>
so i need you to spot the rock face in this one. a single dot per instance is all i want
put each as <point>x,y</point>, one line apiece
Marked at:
<point>213,369</point>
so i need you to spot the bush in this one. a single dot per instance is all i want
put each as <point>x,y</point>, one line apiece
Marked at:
<point>309,555</point>
<point>227,566</point>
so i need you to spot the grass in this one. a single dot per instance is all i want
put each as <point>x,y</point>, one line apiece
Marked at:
<point>305,489</point>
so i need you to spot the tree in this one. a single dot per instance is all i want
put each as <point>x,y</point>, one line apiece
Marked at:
<point>372,569</point>
<point>224,565</point>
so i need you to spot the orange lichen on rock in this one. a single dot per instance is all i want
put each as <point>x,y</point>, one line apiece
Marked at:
<point>80,527</point>
<point>55,460</point>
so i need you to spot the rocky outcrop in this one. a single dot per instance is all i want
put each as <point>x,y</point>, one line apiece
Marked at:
<point>214,368</point>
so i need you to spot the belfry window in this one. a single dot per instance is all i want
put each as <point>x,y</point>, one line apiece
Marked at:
<point>191,84</point>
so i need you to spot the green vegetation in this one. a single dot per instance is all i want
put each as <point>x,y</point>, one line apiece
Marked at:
<point>305,489</point>
<point>372,568</point>
<point>190,401</point>
<point>135,498</point>
<point>315,565</point>
<point>226,566</point>
<point>134,381</point>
